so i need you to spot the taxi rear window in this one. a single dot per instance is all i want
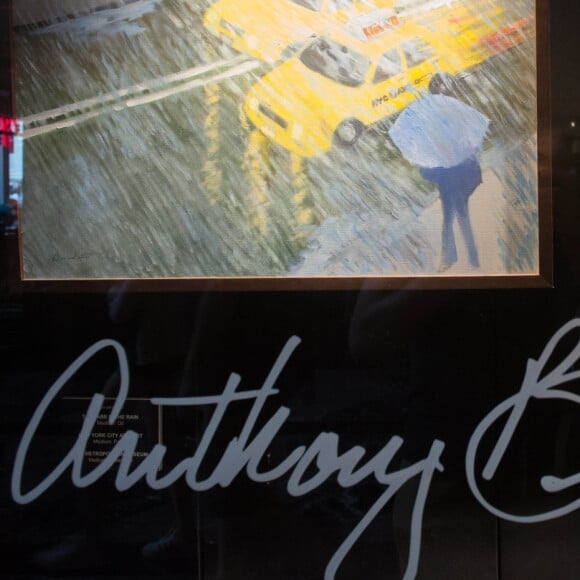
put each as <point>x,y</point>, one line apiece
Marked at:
<point>417,51</point>
<point>388,66</point>
<point>336,62</point>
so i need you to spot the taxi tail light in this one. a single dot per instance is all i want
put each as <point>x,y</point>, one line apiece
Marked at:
<point>509,36</point>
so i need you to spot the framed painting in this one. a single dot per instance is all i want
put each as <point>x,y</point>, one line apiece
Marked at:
<point>155,432</point>
<point>311,144</point>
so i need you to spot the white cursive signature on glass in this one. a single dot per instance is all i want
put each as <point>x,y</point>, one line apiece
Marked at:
<point>307,467</point>
<point>537,384</point>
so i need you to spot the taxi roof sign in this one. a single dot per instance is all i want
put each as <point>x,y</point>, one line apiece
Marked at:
<point>370,26</point>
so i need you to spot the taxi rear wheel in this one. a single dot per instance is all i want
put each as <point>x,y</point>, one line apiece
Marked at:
<point>348,132</point>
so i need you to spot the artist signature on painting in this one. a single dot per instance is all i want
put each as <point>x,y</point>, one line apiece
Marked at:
<point>307,467</point>
<point>73,257</point>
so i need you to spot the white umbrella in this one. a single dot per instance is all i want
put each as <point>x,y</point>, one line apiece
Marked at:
<point>439,131</point>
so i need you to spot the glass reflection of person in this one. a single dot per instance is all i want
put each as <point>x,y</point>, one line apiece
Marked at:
<point>158,329</point>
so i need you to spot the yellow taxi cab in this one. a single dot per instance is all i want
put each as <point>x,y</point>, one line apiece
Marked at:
<point>373,68</point>
<point>265,29</point>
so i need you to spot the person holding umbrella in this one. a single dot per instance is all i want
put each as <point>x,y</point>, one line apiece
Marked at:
<point>443,137</point>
